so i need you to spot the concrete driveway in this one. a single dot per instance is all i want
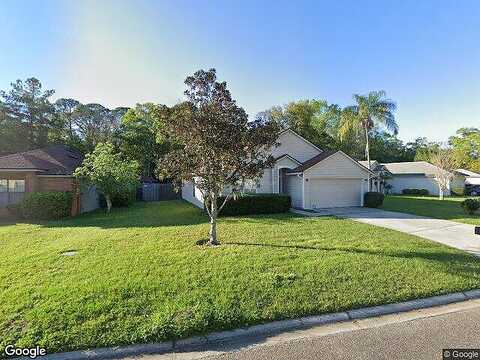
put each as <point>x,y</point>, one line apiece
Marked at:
<point>457,235</point>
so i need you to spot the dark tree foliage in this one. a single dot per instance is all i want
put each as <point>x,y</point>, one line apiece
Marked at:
<point>219,147</point>
<point>26,115</point>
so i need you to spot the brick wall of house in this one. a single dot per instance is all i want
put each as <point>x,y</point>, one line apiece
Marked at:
<point>31,179</point>
<point>55,184</point>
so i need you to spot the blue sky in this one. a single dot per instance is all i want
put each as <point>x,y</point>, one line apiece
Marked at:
<point>425,54</point>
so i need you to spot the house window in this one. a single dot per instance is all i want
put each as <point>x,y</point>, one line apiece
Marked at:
<point>17,186</point>
<point>3,185</point>
<point>11,191</point>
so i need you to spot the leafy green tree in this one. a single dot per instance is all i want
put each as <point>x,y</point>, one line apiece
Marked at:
<point>139,138</point>
<point>385,147</point>
<point>315,120</point>
<point>64,111</point>
<point>108,172</point>
<point>94,124</point>
<point>26,111</point>
<point>370,111</point>
<point>220,148</point>
<point>466,148</point>
<point>422,148</point>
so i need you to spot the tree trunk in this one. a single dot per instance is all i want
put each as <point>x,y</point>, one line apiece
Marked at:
<point>109,203</point>
<point>367,154</point>
<point>440,194</point>
<point>213,221</point>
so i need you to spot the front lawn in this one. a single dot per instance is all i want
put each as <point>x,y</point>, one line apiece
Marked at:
<point>139,277</point>
<point>448,209</point>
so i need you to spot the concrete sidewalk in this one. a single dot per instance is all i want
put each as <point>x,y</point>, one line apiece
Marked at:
<point>457,235</point>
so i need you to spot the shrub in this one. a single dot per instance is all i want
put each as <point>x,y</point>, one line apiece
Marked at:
<point>250,204</point>
<point>120,200</point>
<point>373,199</point>
<point>415,192</point>
<point>470,206</point>
<point>15,210</point>
<point>49,205</point>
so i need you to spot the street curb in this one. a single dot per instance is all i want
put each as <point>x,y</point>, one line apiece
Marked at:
<point>266,329</point>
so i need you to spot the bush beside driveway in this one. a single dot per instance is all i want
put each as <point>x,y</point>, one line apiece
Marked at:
<point>448,209</point>
<point>138,276</point>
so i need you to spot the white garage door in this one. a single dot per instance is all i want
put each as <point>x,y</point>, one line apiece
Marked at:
<point>334,193</point>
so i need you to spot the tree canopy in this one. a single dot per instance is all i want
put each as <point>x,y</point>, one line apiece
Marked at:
<point>218,147</point>
<point>108,172</point>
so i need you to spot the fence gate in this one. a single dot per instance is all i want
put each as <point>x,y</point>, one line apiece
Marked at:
<point>159,192</point>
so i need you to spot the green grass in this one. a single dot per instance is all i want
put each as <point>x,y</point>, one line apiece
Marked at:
<point>448,209</point>
<point>139,277</point>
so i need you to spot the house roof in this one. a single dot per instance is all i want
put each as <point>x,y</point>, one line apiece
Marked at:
<point>289,156</point>
<point>468,173</point>
<point>52,160</point>
<point>373,163</point>
<point>411,168</point>
<point>322,156</point>
<point>313,161</point>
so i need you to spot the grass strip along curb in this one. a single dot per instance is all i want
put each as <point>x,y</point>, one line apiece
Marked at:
<point>266,329</point>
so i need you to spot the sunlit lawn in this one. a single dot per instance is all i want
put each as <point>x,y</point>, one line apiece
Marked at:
<point>139,277</point>
<point>430,206</point>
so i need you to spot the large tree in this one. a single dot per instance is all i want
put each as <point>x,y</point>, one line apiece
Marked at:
<point>466,148</point>
<point>219,147</point>
<point>94,124</point>
<point>26,111</point>
<point>138,136</point>
<point>108,172</point>
<point>315,120</point>
<point>369,112</point>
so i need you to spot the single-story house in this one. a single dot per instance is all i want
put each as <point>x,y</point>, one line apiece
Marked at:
<point>471,178</point>
<point>418,175</point>
<point>312,177</point>
<point>46,169</point>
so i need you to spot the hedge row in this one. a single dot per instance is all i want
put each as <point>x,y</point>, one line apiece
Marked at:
<point>415,192</point>
<point>250,204</point>
<point>48,205</point>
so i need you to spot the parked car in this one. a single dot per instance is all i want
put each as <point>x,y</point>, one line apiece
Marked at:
<point>472,190</point>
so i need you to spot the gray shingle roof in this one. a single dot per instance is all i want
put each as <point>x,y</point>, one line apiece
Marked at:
<point>413,167</point>
<point>52,160</point>
<point>468,173</point>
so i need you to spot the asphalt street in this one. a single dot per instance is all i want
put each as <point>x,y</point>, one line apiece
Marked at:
<point>416,335</point>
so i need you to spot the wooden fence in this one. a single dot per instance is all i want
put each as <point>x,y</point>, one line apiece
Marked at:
<point>158,192</point>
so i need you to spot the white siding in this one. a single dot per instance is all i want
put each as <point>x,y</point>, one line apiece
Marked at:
<point>335,182</point>
<point>338,165</point>
<point>294,189</point>
<point>265,182</point>
<point>294,145</point>
<point>187,194</point>
<point>326,193</point>
<point>400,182</point>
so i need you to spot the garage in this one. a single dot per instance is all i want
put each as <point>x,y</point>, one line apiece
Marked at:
<point>325,193</point>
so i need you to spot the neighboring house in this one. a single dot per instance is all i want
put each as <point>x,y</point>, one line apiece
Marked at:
<point>471,178</point>
<point>417,175</point>
<point>378,182</point>
<point>312,177</point>
<point>47,169</point>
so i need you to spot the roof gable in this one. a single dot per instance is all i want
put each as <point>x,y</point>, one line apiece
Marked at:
<point>52,160</point>
<point>325,155</point>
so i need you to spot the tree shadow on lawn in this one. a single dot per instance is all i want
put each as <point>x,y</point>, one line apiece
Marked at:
<point>461,264</point>
<point>152,215</point>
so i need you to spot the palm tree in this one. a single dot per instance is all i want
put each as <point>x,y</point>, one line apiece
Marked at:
<point>369,111</point>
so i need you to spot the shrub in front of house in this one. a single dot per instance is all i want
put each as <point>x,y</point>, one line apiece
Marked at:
<point>373,199</point>
<point>424,192</point>
<point>251,204</point>
<point>470,206</point>
<point>48,205</point>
